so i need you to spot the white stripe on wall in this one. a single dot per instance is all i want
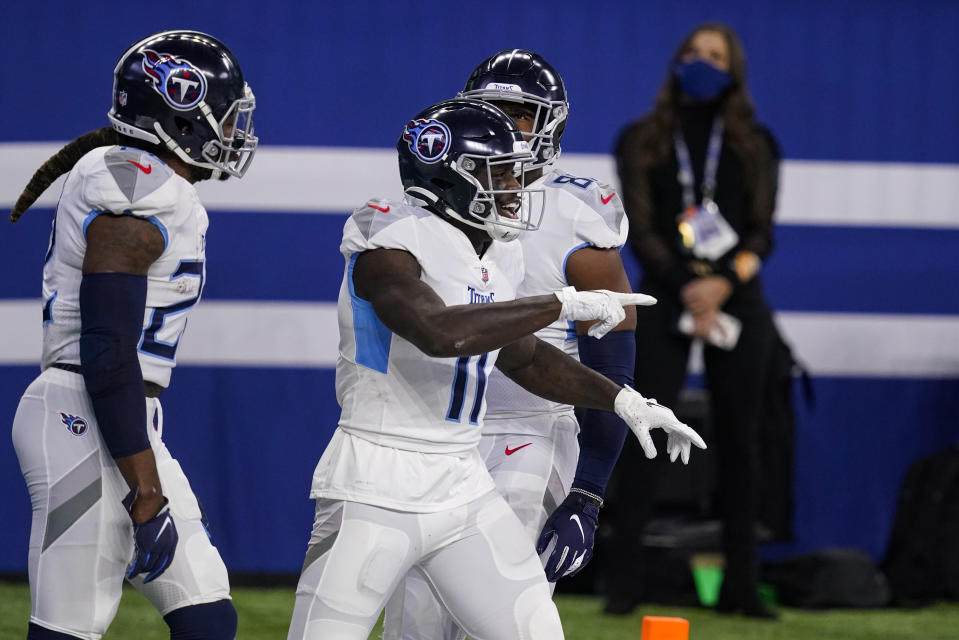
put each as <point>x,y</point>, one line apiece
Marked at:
<point>219,333</point>
<point>875,344</point>
<point>334,179</point>
<point>256,334</point>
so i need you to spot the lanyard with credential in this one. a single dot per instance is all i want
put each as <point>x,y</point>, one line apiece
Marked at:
<point>686,175</point>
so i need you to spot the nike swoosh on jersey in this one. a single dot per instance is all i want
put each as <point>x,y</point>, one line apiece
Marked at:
<point>380,209</point>
<point>139,166</point>
<point>606,199</point>
<point>510,452</point>
<point>575,518</point>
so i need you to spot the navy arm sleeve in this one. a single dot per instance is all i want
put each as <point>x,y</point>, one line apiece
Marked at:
<point>602,433</point>
<point>111,320</point>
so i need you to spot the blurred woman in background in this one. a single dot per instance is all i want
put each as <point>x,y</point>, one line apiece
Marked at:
<point>699,180</point>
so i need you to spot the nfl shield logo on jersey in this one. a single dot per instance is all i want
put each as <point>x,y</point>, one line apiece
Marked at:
<point>75,425</point>
<point>428,139</point>
<point>485,274</point>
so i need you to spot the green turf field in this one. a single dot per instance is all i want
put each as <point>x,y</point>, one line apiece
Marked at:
<point>264,614</point>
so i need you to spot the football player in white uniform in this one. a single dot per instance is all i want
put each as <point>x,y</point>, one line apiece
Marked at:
<point>530,443</point>
<point>402,483</point>
<point>124,267</point>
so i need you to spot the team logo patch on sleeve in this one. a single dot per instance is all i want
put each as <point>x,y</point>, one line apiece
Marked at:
<point>75,424</point>
<point>177,80</point>
<point>428,139</point>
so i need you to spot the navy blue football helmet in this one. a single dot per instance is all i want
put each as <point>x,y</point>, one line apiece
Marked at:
<point>184,90</point>
<point>517,75</point>
<point>450,154</point>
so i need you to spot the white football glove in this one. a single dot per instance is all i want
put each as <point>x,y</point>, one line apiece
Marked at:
<point>642,415</point>
<point>602,305</point>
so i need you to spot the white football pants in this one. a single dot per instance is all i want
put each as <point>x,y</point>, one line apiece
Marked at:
<point>81,537</point>
<point>534,474</point>
<point>476,558</point>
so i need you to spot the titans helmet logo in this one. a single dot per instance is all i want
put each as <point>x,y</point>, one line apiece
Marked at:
<point>428,139</point>
<point>177,80</point>
<point>75,425</point>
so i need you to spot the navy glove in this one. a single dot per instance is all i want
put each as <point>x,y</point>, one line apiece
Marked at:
<point>574,525</point>
<point>154,541</point>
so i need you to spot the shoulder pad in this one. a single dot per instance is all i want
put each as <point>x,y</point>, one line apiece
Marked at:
<point>137,173</point>
<point>567,181</point>
<point>378,213</point>
<point>598,197</point>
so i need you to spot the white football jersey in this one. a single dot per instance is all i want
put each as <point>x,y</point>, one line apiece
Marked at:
<point>126,181</point>
<point>393,395</point>
<point>580,212</point>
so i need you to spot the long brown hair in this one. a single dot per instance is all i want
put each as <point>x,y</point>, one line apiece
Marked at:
<point>63,161</point>
<point>738,111</point>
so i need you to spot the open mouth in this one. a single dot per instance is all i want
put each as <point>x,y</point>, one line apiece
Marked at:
<point>510,209</point>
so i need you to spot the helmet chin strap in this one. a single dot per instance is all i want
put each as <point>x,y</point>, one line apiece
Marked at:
<point>501,234</point>
<point>495,231</point>
<point>427,197</point>
<point>170,143</point>
<point>433,202</point>
<point>132,132</point>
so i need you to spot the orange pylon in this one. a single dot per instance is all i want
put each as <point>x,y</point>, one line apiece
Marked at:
<point>662,628</point>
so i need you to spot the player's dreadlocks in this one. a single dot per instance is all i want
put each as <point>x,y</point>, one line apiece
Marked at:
<point>61,162</point>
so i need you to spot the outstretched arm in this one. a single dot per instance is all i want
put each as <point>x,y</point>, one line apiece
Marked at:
<point>544,370</point>
<point>390,280</point>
